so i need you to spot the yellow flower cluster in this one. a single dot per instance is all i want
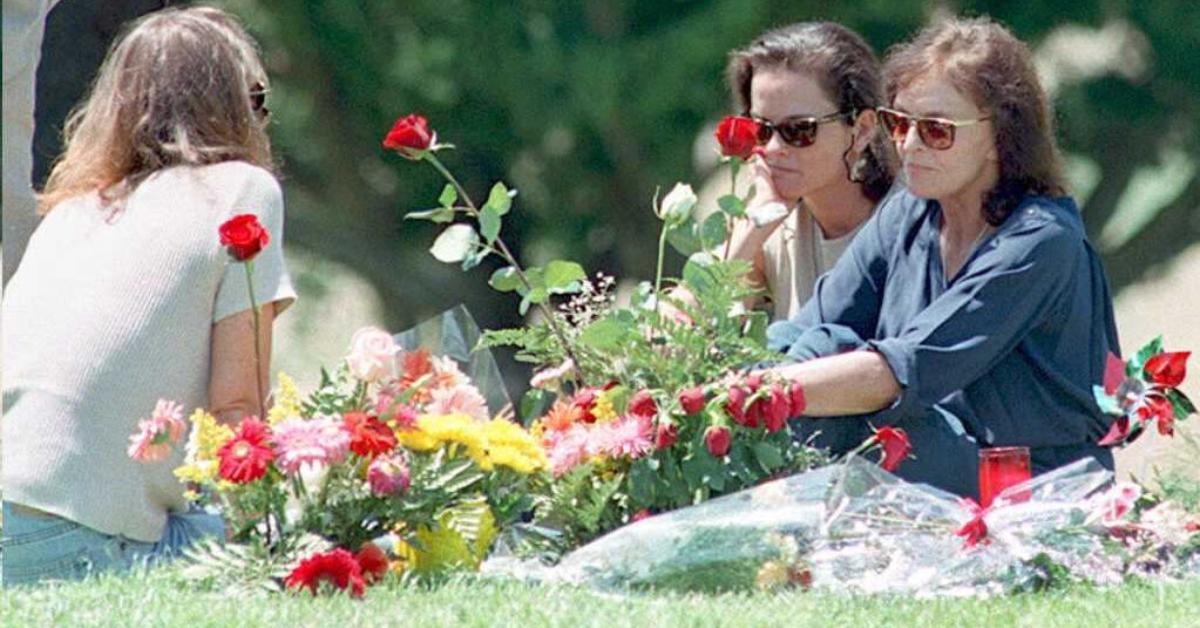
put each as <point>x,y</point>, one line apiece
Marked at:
<point>604,410</point>
<point>206,437</point>
<point>287,400</point>
<point>498,442</point>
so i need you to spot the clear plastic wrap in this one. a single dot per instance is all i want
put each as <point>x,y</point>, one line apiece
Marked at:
<point>454,334</point>
<point>853,527</point>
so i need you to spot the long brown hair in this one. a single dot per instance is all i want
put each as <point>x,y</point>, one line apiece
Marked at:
<point>985,62</point>
<point>174,90</point>
<point>846,69</point>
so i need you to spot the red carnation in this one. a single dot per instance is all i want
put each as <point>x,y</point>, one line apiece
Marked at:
<point>665,435</point>
<point>372,561</point>
<point>244,236</point>
<point>692,400</point>
<point>776,408</point>
<point>409,136</point>
<point>246,457</point>
<point>738,136</point>
<point>642,404</point>
<point>369,436</point>
<point>337,567</point>
<point>895,446</point>
<point>717,440</point>
<point>1167,369</point>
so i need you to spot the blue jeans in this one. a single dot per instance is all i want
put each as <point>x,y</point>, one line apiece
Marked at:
<point>45,547</point>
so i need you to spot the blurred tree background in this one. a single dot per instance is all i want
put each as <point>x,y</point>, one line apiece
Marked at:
<point>587,106</point>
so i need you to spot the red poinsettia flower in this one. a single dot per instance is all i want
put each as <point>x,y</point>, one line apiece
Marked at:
<point>737,136</point>
<point>337,567</point>
<point>692,400</point>
<point>369,436</point>
<point>974,531</point>
<point>243,236</point>
<point>717,440</point>
<point>246,457</point>
<point>372,561</point>
<point>895,445</point>
<point>642,404</point>
<point>409,136</point>
<point>1167,369</point>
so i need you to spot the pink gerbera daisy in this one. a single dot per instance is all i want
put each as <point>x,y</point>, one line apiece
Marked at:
<point>567,449</point>
<point>463,399</point>
<point>322,440</point>
<point>155,435</point>
<point>630,435</point>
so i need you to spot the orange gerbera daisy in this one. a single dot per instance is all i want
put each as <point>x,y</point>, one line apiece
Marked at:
<point>562,416</point>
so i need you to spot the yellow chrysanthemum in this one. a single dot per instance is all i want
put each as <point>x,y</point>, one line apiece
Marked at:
<point>199,472</point>
<point>287,400</point>
<point>206,437</point>
<point>604,410</point>
<point>454,429</point>
<point>416,440</point>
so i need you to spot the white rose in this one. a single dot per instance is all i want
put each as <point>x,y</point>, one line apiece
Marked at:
<point>677,205</point>
<point>372,353</point>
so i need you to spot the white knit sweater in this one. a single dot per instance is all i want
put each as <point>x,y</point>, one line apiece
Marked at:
<point>107,313</point>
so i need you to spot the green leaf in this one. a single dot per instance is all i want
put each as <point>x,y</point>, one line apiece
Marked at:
<point>437,214</point>
<point>685,238</point>
<point>455,243</point>
<point>756,327</point>
<point>1152,348</point>
<point>641,483</point>
<point>539,295</point>
<point>696,272</point>
<point>1183,406</point>
<point>506,280</point>
<point>489,223</point>
<point>732,206</point>
<point>448,196</point>
<point>475,258</point>
<point>714,231</point>
<point>606,334</point>
<point>499,199</point>
<point>768,456</point>
<point>564,277</point>
<point>534,403</point>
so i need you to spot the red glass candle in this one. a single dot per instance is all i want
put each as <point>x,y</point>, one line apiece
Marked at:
<point>1000,468</point>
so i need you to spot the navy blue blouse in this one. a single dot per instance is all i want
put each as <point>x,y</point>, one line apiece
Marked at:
<point>1011,345</point>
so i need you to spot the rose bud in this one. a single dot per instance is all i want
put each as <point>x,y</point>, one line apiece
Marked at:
<point>692,400</point>
<point>642,404</point>
<point>666,435</point>
<point>717,440</point>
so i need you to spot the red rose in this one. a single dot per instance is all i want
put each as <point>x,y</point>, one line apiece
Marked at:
<point>337,567</point>
<point>244,236</point>
<point>692,400</point>
<point>409,136</point>
<point>369,436</point>
<point>895,446</point>
<point>717,440</point>
<point>246,457</point>
<point>737,404</point>
<point>776,408</point>
<point>738,136</point>
<point>372,561</point>
<point>665,435</point>
<point>1167,369</point>
<point>799,403</point>
<point>642,404</point>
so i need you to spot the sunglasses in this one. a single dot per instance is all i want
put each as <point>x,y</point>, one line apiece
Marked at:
<point>936,133</point>
<point>258,101</point>
<point>798,132</point>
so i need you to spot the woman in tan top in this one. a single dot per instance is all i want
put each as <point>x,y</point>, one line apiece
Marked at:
<point>813,88</point>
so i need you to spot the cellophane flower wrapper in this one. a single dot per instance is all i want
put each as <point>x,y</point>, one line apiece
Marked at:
<point>455,334</point>
<point>852,527</point>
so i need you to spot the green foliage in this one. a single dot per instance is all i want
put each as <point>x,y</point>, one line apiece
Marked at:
<point>580,505</point>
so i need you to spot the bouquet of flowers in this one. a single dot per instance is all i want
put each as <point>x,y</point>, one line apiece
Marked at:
<point>397,442</point>
<point>640,406</point>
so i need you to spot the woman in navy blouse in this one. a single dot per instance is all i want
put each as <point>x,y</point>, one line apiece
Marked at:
<point>971,309</point>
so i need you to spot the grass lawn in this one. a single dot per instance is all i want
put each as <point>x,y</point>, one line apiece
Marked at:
<point>160,599</point>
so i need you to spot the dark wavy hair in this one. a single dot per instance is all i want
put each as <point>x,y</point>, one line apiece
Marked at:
<point>985,62</point>
<point>844,66</point>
